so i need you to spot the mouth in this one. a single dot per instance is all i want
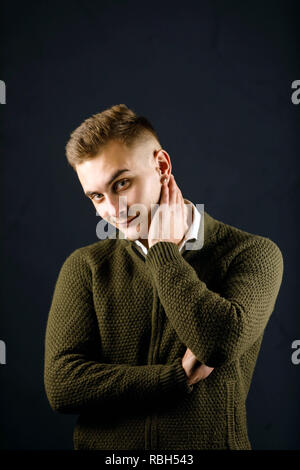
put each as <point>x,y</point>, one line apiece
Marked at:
<point>128,221</point>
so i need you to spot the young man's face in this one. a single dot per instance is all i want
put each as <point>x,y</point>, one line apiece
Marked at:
<point>140,184</point>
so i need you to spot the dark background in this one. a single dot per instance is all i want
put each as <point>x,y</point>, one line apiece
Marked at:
<point>214,78</point>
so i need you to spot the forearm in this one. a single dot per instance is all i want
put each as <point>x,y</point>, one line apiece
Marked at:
<point>218,327</point>
<point>74,385</point>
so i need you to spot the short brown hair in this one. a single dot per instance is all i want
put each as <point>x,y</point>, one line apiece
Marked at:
<point>116,123</point>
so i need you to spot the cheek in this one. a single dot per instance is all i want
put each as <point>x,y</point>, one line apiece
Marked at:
<point>98,210</point>
<point>152,189</point>
<point>147,192</point>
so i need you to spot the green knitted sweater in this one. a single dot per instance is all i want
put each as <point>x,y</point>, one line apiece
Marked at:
<point>120,323</point>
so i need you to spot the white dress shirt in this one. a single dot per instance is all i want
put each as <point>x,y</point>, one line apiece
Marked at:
<point>191,233</point>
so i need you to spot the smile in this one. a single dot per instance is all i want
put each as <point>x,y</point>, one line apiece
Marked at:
<point>128,221</point>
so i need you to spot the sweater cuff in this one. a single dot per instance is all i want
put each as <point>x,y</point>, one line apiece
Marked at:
<point>173,376</point>
<point>161,253</point>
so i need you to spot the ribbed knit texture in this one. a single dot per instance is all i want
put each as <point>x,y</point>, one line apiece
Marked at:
<point>120,323</point>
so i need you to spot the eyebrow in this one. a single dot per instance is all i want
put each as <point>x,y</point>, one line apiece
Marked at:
<point>114,176</point>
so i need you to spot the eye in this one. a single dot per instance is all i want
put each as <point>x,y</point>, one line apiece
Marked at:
<point>97,197</point>
<point>121,181</point>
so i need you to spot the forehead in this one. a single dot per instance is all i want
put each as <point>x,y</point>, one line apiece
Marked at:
<point>113,157</point>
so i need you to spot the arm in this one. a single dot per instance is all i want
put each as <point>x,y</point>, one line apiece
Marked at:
<point>75,379</point>
<point>219,327</point>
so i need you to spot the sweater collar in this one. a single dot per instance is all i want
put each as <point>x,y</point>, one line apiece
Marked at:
<point>207,227</point>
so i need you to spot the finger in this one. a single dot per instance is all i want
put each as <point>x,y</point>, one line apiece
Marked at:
<point>164,193</point>
<point>172,191</point>
<point>167,192</point>
<point>179,192</point>
<point>179,197</point>
<point>183,208</point>
<point>180,206</point>
<point>161,194</point>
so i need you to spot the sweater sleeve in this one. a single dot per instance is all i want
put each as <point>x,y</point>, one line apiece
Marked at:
<point>219,327</point>
<point>75,379</point>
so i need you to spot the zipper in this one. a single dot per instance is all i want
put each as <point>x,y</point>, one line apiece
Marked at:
<point>150,428</point>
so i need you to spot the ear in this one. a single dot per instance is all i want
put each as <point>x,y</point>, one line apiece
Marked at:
<point>164,163</point>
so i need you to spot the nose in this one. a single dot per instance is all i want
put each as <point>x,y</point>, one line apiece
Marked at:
<point>115,208</point>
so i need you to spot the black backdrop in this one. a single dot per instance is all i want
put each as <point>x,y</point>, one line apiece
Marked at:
<point>214,78</point>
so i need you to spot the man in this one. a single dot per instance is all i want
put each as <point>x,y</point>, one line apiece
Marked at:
<point>153,335</point>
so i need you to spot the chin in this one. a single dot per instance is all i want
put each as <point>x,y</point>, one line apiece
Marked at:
<point>132,234</point>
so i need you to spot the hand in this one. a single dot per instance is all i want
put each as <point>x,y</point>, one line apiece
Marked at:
<point>174,216</point>
<point>194,369</point>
